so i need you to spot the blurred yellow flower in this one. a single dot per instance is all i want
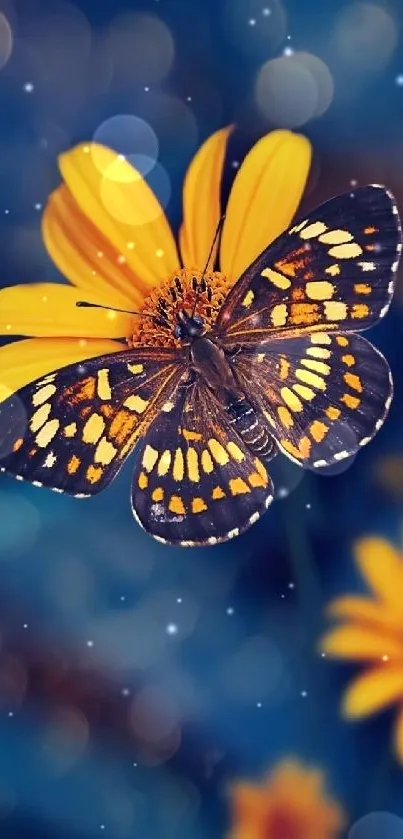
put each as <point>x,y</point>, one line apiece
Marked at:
<point>291,803</point>
<point>107,233</point>
<point>372,634</point>
<point>388,473</point>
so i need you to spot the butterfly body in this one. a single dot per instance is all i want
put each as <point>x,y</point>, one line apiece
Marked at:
<point>278,366</point>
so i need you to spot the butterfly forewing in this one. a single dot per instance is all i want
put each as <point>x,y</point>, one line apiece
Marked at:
<point>324,395</point>
<point>72,430</point>
<point>336,269</point>
<point>195,481</point>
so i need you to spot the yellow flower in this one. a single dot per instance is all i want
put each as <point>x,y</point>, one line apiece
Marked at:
<point>291,804</point>
<point>108,235</point>
<point>372,634</point>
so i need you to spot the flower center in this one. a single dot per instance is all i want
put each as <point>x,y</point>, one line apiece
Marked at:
<point>179,292</point>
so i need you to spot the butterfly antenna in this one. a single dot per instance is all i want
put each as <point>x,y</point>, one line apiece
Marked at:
<point>83,304</point>
<point>216,235</point>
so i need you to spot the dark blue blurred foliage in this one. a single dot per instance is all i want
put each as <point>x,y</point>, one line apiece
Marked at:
<point>137,680</point>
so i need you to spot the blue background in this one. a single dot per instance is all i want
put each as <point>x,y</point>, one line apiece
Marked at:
<point>98,623</point>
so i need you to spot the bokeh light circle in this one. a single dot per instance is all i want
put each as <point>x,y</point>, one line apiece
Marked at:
<point>322,76</point>
<point>286,476</point>
<point>142,47</point>
<point>6,40</point>
<point>365,36</point>
<point>286,92</point>
<point>130,136</point>
<point>377,826</point>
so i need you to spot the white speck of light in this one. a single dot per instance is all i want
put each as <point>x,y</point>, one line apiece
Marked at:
<point>6,212</point>
<point>385,658</point>
<point>283,492</point>
<point>282,596</point>
<point>123,597</point>
<point>252,21</point>
<point>172,629</point>
<point>235,164</point>
<point>304,693</point>
<point>38,206</point>
<point>230,610</point>
<point>102,827</point>
<point>25,626</point>
<point>291,585</point>
<point>188,99</point>
<point>146,89</point>
<point>134,764</point>
<point>323,655</point>
<point>258,704</point>
<point>125,692</point>
<point>266,12</point>
<point>353,182</point>
<point>308,506</point>
<point>28,87</point>
<point>90,643</point>
<point>11,713</point>
<point>179,600</point>
<point>288,51</point>
<point>399,80</point>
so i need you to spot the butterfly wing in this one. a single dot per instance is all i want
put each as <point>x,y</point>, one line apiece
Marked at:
<point>324,395</point>
<point>334,270</point>
<point>72,430</point>
<point>195,482</point>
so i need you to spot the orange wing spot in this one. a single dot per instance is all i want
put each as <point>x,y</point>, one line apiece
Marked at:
<point>284,368</point>
<point>158,494</point>
<point>256,480</point>
<point>297,294</point>
<point>333,413</point>
<point>80,391</point>
<point>176,505</point>
<point>369,230</point>
<point>32,452</point>
<point>351,401</point>
<point>122,426</point>
<point>359,310</point>
<point>318,430</point>
<point>304,313</point>
<point>285,416</point>
<point>191,435</point>
<point>362,288</point>
<point>353,381</point>
<point>369,247</point>
<point>73,465</point>
<point>217,493</point>
<point>348,359</point>
<point>238,486</point>
<point>85,412</point>
<point>17,445</point>
<point>261,469</point>
<point>293,262</point>
<point>342,341</point>
<point>94,474</point>
<point>198,505</point>
<point>143,480</point>
<point>106,410</point>
<point>301,452</point>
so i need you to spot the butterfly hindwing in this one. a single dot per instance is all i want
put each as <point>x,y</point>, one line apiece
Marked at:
<point>72,430</point>
<point>195,482</point>
<point>324,395</point>
<point>336,269</point>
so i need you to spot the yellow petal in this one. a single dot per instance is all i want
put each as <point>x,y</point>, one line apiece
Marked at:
<point>84,255</point>
<point>399,736</point>
<point>364,610</point>
<point>264,198</point>
<point>382,568</point>
<point>201,200</point>
<point>361,643</point>
<point>48,310</point>
<point>373,690</point>
<point>120,204</point>
<point>25,361</point>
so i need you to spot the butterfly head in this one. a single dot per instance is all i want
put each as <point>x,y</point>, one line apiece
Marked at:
<point>188,326</point>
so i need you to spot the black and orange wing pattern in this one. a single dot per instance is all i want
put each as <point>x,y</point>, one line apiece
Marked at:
<point>335,270</point>
<point>72,430</point>
<point>323,395</point>
<point>195,481</point>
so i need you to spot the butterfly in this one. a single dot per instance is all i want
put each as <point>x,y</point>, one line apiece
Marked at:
<point>282,369</point>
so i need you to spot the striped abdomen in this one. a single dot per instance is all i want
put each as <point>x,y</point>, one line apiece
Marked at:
<point>252,427</point>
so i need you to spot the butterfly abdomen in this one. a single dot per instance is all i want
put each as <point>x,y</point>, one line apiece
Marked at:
<point>252,427</point>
